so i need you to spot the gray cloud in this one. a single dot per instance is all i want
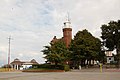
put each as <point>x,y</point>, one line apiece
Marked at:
<point>33,23</point>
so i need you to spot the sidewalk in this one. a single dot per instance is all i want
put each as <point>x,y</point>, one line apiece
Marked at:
<point>95,70</point>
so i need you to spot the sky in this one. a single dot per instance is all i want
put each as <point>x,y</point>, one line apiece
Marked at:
<point>33,23</point>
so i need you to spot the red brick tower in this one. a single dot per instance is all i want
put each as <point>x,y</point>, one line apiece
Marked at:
<point>67,32</point>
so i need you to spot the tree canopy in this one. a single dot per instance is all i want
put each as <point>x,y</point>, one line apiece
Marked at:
<point>84,47</point>
<point>111,36</point>
<point>56,53</point>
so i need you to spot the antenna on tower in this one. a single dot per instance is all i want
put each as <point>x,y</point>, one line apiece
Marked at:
<point>68,16</point>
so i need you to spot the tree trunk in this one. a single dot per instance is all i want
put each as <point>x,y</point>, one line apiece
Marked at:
<point>93,61</point>
<point>84,62</point>
<point>90,62</point>
<point>56,63</point>
<point>118,53</point>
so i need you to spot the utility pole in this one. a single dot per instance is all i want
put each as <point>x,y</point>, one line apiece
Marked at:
<point>9,39</point>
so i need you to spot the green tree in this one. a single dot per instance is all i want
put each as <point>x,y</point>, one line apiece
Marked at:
<point>84,47</point>
<point>111,36</point>
<point>56,53</point>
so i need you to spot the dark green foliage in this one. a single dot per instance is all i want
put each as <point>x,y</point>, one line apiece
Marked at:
<point>49,66</point>
<point>66,67</point>
<point>56,53</point>
<point>83,47</point>
<point>52,67</point>
<point>111,36</point>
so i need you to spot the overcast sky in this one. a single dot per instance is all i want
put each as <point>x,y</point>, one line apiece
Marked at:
<point>33,23</point>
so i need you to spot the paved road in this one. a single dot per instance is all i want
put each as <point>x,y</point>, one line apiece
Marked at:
<point>73,75</point>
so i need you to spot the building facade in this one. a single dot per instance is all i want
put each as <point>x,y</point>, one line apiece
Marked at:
<point>110,57</point>
<point>67,34</point>
<point>20,65</point>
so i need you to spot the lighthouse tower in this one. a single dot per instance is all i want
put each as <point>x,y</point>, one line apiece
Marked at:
<point>67,32</point>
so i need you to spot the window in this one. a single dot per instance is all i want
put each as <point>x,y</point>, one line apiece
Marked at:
<point>109,58</point>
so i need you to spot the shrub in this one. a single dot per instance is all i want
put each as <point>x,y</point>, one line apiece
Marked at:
<point>52,67</point>
<point>66,67</point>
<point>48,66</point>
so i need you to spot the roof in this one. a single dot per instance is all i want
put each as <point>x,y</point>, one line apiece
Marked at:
<point>17,61</point>
<point>34,61</point>
<point>54,40</point>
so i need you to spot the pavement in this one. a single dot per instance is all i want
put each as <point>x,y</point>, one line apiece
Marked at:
<point>84,74</point>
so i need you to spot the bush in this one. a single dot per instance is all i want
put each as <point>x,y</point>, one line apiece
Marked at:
<point>52,66</point>
<point>66,67</point>
<point>113,62</point>
<point>48,66</point>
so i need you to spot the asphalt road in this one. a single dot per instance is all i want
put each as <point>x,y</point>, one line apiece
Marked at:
<point>73,75</point>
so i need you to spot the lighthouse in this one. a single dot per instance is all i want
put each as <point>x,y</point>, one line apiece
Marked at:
<point>67,32</point>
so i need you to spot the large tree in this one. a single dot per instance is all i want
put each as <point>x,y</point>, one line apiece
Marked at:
<point>84,47</point>
<point>111,36</point>
<point>56,53</point>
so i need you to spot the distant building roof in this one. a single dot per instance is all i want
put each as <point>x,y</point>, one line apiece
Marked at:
<point>34,61</point>
<point>17,61</point>
<point>54,40</point>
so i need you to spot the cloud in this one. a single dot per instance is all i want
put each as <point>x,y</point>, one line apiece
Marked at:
<point>33,23</point>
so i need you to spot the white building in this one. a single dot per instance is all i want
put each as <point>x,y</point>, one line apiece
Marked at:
<point>20,65</point>
<point>110,56</point>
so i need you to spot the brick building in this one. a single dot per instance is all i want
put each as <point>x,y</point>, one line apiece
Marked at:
<point>67,33</point>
